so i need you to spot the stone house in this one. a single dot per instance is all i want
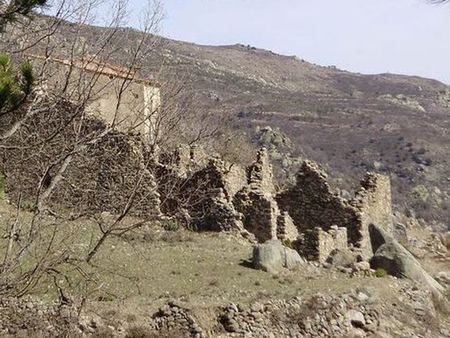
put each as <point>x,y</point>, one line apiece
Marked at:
<point>115,94</point>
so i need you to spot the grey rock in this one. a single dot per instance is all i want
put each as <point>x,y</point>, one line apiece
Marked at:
<point>257,307</point>
<point>399,262</point>
<point>268,256</point>
<point>341,257</point>
<point>400,233</point>
<point>272,256</point>
<point>361,266</point>
<point>356,318</point>
<point>362,297</point>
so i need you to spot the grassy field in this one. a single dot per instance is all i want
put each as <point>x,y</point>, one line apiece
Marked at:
<point>132,277</point>
<point>154,264</point>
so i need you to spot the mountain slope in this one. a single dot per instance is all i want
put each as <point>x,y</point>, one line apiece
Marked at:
<point>351,123</point>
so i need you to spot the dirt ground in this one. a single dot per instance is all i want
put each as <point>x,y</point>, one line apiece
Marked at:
<point>132,277</point>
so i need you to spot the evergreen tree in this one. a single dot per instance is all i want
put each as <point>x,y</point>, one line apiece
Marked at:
<point>10,11</point>
<point>15,83</point>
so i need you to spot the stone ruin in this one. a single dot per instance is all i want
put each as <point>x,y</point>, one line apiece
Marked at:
<point>317,244</point>
<point>310,215</point>
<point>208,194</point>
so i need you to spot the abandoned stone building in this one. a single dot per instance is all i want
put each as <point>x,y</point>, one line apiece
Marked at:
<point>115,94</point>
<point>309,214</point>
<point>206,192</point>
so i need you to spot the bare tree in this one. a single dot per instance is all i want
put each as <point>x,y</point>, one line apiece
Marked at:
<point>56,132</point>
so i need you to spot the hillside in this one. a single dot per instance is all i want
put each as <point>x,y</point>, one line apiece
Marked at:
<point>114,224</point>
<point>350,123</point>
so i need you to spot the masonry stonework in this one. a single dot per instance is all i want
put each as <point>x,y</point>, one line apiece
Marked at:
<point>317,244</point>
<point>256,201</point>
<point>286,229</point>
<point>312,204</point>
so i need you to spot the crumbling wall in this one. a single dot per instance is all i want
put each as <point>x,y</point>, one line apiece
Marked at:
<point>185,159</point>
<point>206,194</point>
<point>374,205</point>
<point>260,173</point>
<point>260,212</point>
<point>311,203</point>
<point>219,214</point>
<point>317,244</point>
<point>286,229</point>
<point>102,176</point>
<point>256,202</point>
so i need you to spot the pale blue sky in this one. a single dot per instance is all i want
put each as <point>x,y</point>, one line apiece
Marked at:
<point>369,36</point>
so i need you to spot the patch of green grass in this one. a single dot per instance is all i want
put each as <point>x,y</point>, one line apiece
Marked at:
<point>202,267</point>
<point>171,225</point>
<point>288,243</point>
<point>380,272</point>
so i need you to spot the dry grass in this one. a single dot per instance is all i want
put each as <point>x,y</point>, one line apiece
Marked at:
<point>201,267</point>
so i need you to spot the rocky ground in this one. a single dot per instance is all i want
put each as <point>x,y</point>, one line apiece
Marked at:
<point>162,281</point>
<point>159,283</point>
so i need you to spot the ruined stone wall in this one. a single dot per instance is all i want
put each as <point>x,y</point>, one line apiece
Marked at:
<point>260,173</point>
<point>286,229</point>
<point>102,177</point>
<point>260,212</point>
<point>374,205</point>
<point>311,203</point>
<point>185,159</point>
<point>317,244</point>
<point>256,200</point>
<point>205,193</point>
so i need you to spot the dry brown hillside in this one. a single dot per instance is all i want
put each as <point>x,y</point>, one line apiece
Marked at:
<point>351,123</point>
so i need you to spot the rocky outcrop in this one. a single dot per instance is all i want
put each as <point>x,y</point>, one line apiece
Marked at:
<point>399,262</point>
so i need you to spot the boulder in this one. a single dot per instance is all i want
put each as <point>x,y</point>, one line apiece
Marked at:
<point>356,318</point>
<point>272,256</point>
<point>397,261</point>
<point>341,257</point>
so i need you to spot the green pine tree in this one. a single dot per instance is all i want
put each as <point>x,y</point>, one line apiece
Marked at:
<point>10,11</point>
<point>16,82</point>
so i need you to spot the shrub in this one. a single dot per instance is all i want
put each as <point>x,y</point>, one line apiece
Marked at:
<point>288,243</point>
<point>171,225</point>
<point>380,272</point>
